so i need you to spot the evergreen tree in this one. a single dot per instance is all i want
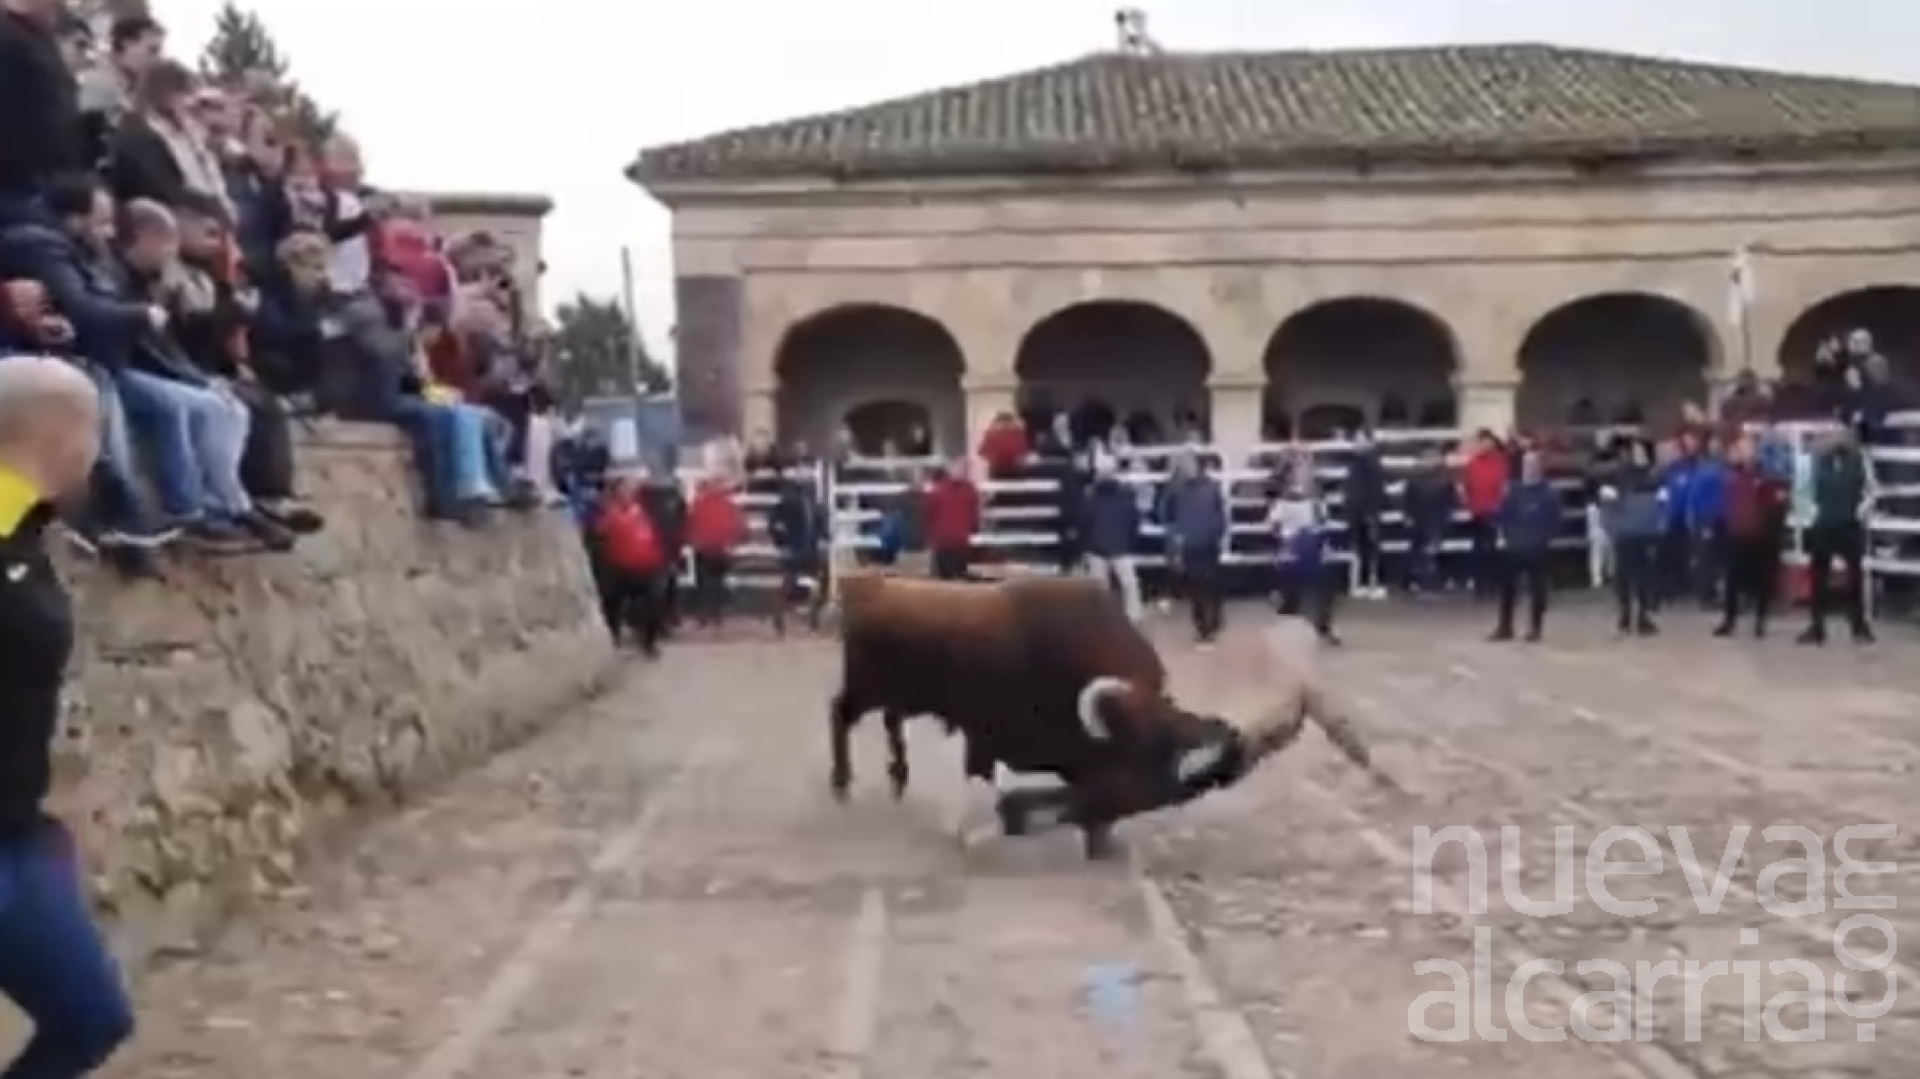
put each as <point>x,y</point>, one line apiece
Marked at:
<point>243,54</point>
<point>594,353</point>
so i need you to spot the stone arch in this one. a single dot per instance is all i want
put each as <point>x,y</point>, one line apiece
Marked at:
<point>835,362</point>
<point>1136,359</point>
<point>1352,356</point>
<point>1891,313</point>
<point>1613,354</point>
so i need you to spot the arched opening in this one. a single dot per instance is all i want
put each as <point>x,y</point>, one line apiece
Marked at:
<point>1364,361</point>
<point>1111,362</point>
<point>1622,353</point>
<point>1890,314</point>
<point>1321,422</point>
<point>888,428</point>
<point>833,364</point>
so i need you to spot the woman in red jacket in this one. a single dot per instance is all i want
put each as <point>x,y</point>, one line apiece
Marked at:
<point>635,561</point>
<point>715,527</point>
<point>951,515</point>
<point>1483,488</point>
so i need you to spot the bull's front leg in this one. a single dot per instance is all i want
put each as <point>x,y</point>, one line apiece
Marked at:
<point>980,768</point>
<point>897,772</point>
<point>841,718</point>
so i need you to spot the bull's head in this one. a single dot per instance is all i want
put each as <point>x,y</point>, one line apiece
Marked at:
<point>1201,752</point>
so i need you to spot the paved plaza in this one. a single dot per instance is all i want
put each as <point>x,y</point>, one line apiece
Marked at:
<point>662,888</point>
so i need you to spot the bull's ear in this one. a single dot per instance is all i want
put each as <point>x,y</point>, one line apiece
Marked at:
<point>1092,704</point>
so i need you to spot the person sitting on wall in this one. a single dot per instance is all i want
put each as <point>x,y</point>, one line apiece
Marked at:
<point>374,374</point>
<point>218,426</point>
<point>1004,446</point>
<point>209,313</point>
<point>115,520</point>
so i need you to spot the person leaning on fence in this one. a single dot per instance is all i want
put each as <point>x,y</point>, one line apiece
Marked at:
<point>798,529</point>
<point>1302,576</point>
<point>1429,499</point>
<point>1755,525</point>
<point>951,510</point>
<point>1483,486</point>
<point>1364,497</point>
<point>1526,524</point>
<point>716,526</point>
<point>1195,514</point>
<point>1109,527</point>
<point>1842,490</point>
<point>1627,498</point>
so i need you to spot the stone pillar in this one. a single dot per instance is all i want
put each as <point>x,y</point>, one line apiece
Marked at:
<point>985,400</point>
<point>1237,405</point>
<point>1488,405</point>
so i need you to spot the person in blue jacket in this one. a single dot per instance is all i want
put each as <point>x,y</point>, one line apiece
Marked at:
<point>1706,522</point>
<point>1675,469</point>
<point>1529,519</point>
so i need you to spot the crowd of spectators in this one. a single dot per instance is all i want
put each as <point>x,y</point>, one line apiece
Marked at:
<point>223,273</point>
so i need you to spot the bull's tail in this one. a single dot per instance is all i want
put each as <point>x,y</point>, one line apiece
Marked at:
<point>1339,728</point>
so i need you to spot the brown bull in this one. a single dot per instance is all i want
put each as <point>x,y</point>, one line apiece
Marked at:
<point>1041,675</point>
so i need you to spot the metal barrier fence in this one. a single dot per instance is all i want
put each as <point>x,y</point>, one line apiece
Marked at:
<point>1021,526</point>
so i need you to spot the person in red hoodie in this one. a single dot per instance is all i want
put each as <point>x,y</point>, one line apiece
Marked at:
<point>715,527</point>
<point>1004,447</point>
<point>635,561</point>
<point>951,512</point>
<point>1755,527</point>
<point>1483,488</point>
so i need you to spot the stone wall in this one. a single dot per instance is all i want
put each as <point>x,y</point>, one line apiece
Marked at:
<point>224,722</point>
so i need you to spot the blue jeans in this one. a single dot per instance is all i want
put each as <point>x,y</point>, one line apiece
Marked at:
<point>53,964</point>
<point>197,435</point>
<point>450,447</point>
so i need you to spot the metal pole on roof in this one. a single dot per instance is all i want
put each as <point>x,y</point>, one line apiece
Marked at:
<point>628,305</point>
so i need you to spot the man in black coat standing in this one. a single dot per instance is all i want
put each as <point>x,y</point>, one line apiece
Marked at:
<point>54,966</point>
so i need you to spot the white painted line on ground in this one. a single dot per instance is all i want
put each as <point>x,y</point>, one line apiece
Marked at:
<point>1225,1035</point>
<point>857,1018</point>
<point>483,1019</point>
<point>1650,1058</point>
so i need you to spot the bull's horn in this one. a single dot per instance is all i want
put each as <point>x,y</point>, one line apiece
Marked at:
<point>1088,705</point>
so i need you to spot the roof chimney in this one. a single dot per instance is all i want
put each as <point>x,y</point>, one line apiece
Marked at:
<point>1130,26</point>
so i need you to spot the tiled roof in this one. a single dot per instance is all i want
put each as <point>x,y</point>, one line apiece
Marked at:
<point>1119,113</point>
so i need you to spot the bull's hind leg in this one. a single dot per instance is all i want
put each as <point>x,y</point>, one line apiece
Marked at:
<point>897,772</point>
<point>841,719</point>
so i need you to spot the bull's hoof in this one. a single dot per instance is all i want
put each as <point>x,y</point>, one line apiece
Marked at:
<point>1100,845</point>
<point>841,788</point>
<point>897,782</point>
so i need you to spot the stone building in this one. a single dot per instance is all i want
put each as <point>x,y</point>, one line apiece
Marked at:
<point>1488,235</point>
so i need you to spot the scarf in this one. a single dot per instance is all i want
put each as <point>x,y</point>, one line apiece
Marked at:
<point>198,166</point>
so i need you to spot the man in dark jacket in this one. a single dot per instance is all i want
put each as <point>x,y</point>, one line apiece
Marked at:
<point>1842,498</point>
<point>1109,526</point>
<point>1527,523</point>
<point>1430,499</point>
<point>798,529</point>
<point>41,131</point>
<point>1194,511</point>
<point>666,506</point>
<point>1363,498</point>
<point>54,965</point>
<point>1633,519</point>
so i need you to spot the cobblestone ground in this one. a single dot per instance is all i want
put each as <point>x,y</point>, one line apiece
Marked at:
<point>663,889</point>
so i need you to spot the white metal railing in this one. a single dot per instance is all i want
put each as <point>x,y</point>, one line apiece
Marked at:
<point>1020,515</point>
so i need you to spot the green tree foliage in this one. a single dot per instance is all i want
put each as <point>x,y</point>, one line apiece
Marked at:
<point>242,54</point>
<point>594,346</point>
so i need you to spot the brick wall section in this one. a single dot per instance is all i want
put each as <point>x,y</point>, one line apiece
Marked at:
<point>224,722</point>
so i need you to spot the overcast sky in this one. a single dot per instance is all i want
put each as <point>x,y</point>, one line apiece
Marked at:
<point>555,96</point>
